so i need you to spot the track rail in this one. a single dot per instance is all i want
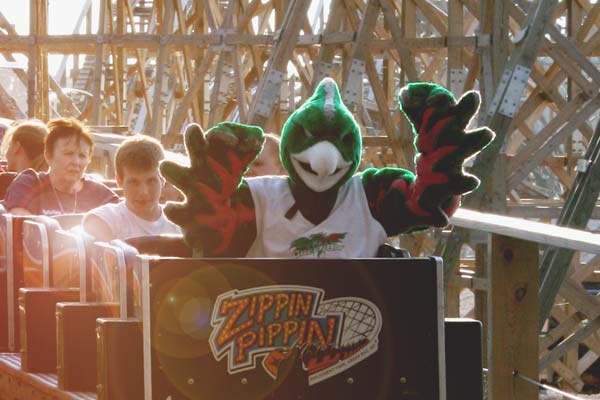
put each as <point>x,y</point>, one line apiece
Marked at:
<point>18,384</point>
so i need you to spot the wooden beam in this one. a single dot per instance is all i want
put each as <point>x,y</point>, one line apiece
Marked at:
<point>576,213</point>
<point>500,113</point>
<point>406,59</point>
<point>542,144</point>
<point>538,232</point>
<point>119,61</point>
<point>512,326</point>
<point>456,75</point>
<point>181,111</point>
<point>268,87</point>
<point>481,300</point>
<point>324,65</point>
<point>155,128</point>
<point>571,343</point>
<point>140,65</point>
<point>98,75</point>
<point>37,95</point>
<point>223,73</point>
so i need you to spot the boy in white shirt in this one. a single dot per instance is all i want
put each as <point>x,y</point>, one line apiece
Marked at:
<point>140,214</point>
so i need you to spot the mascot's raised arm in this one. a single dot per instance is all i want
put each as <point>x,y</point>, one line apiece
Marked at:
<point>323,208</point>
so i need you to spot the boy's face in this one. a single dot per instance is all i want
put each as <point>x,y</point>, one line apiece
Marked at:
<point>141,189</point>
<point>267,163</point>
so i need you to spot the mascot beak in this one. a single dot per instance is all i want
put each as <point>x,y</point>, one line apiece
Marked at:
<point>320,166</point>
<point>324,158</point>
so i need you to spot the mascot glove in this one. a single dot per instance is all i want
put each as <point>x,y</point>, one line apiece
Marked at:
<point>218,160</point>
<point>439,121</point>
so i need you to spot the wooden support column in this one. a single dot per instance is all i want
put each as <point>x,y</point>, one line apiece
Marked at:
<point>362,62</point>
<point>156,128</point>
<point>200,26</point>
<point>352,85</point>
<point>197,84</point>
<point>119,62</point>
<point>96,116</point>
<point>38,102</point>
<point>401,133</point>
<point>240,85</point>
<point>574,24</point>
<point>324,66</point>
<point>500,38</point>
<point>500,117</point>
<point>140,65</point>
<point>513,320</point>
<point>481,301</point>
<point>43,74</point>
<point>267,92</point>
<point>183,30</point>
<point>409,29</point>
<point>456,73</point>
<point>406,59</point>
<point>408,26</point>
<point>223,74</point>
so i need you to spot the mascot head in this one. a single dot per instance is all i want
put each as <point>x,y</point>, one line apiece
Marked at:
<point>321,143</point>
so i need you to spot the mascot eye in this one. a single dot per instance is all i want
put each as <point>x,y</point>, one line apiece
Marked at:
<point>308,134</point>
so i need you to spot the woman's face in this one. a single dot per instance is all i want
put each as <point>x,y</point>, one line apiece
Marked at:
<point>69,159</point>
<point>13,152</point>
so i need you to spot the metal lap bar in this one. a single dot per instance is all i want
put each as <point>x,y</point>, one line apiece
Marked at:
<point>10,281</point>
<point>3,281</point>
<point>36,234</point>
<point>133,280</point>
<point>65,244</point>
<point>115,274</point>
<point>14,274</point>
<point>145,293</point>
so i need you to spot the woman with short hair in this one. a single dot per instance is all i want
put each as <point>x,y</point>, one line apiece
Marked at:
<point>64,189</point>
<point>23,146</point>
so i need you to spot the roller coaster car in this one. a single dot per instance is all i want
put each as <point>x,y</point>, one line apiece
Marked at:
<point>375,330</point>
<point>49,277</point>
<point>25,253</point>
<point>314,335</point>
<point>194,328</point>
<point>310,329</point>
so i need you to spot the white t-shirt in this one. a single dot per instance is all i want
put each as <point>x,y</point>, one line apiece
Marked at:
<point>125,224</point>
<point>350,231</point>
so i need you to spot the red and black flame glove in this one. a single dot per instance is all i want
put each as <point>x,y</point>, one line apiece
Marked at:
<point>404,202</point>
<point>217,216</point>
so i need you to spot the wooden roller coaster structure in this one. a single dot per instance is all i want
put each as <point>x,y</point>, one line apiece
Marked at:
<point>153,66</point>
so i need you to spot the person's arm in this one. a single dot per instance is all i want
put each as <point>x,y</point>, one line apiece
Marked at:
<point>19,211</point>
<point>22,195</point>
<point>96,227</point>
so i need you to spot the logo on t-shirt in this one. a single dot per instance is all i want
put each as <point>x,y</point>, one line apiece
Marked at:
<point>317,243</point>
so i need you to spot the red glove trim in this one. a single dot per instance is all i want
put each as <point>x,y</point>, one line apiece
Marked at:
<point>426,140</point>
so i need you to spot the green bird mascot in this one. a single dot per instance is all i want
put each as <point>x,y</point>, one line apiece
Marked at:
<point>323,208</point>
